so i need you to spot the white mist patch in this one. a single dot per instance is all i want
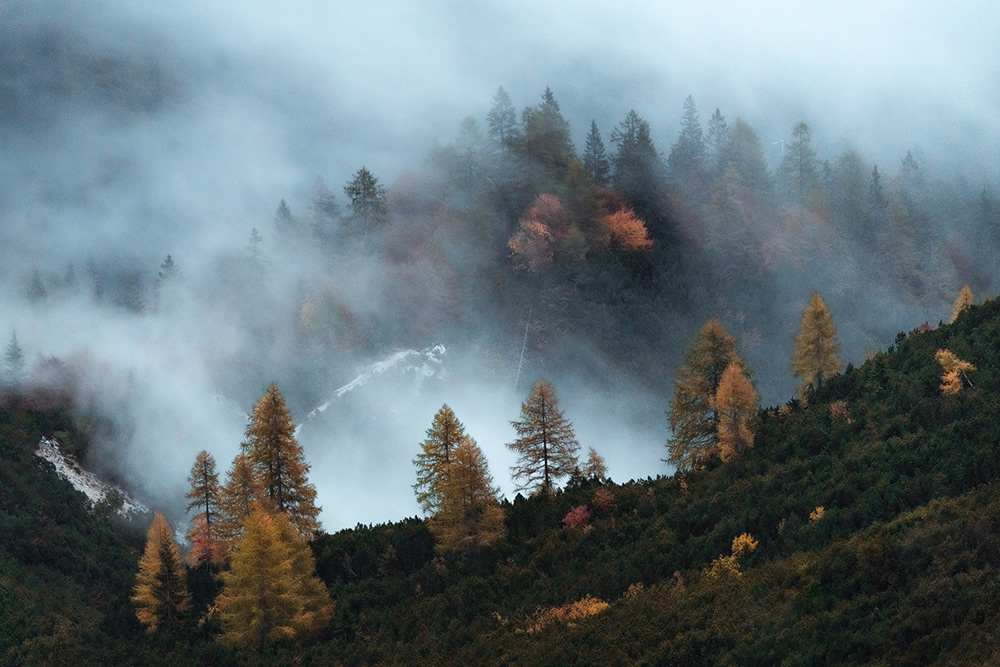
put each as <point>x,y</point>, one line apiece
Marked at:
<point>87,482</point>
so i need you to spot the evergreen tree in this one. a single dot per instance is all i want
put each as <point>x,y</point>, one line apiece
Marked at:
<point>735,403</point>
<point>964,300</point>
<point>545,138</point>
<point>160,594</point>
<point>815,356</point>
<point>435,457</point>
<point>369,207</point>
<point>876,213</point>
<point>168,270</point>
<point>595,157</point>
<point>278,463</point>
<point>799,168</point>
<point>501,122</point>
<point>743,156</point>
<point>204,496</point>
<point>687,157</point>
<point>14,363</point>
<point>715,141</point>
<point>271,594</point>
<point>639,175</point>
<point>237,497</point>
<point>693,416</point>
<point>546,444</point>
<point>255,248</point>
<point>470,515</point>
<point>324,213</point>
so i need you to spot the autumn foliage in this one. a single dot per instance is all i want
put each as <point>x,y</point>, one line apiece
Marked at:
<point>955,370</point>
<point>623,230</point>
<point>568,613</point>
<point>160,593</point>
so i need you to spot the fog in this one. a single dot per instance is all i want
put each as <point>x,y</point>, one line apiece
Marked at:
<point>129,131</point>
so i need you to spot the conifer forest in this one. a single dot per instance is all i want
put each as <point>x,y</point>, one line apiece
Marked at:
<point>499,334</point>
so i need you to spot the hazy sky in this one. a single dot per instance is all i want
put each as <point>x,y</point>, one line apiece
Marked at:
<point>265,97</point>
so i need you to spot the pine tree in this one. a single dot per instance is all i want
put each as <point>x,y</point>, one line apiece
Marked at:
<point>443,436</point>
<point>815,356</point>
<point>546,444</point>
<point>204,496</point>
<point>237,497</point>
<point>694,420</point>
<point>278,462</point>
<point>14,363</point>
<point>271,594</point>
<point>470,515</point>
<point>501,122</point>
<point>160,593</point>
<point>595,157</point>
<point>736,404</point>
<point>964,300</point>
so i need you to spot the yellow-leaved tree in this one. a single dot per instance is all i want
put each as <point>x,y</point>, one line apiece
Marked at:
<point>546,444</point>
<point>954,372</point>
<point>964,300</point>
<point>237,497</point>
<point>278,463</point>
<point>735,403</point>
<point>444,435</point>
<point>694,419</point>
<point>271,593</point>
<point>160,595</point>
<point>814,358</point>
<point>469,515</point>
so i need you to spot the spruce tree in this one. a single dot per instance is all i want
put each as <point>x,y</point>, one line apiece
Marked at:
<point>718,131</point>
<point>546,444</point>
<point>443,436</point>
<point>735,403</point>
<point>687,157</point>
<point>368,203</point>
<point>14,363</point>
<point>815,356</point>
<point>160,594</point>
<point>271,593</point>
<point>799,168</point>
<point>470,515</point>
<point>278,462</point>
<point>694,420</point>
<point>595,157</point>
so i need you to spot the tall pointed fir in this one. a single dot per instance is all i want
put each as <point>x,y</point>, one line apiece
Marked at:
<point>279,464</point>
<point>470,515</point>
<point>14,363</point>
<point>546,444</point>
<point>443,436</point>
<point>715,139</point>
<point>815,356</point>
<point>160,594</point>
<point>686,160</point>
<point>595,157</point>
<point>693,417</point>
<point>204,497</point>
<point>271,594</point>
<point>799,169</point>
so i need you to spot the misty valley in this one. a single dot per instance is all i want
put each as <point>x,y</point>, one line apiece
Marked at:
<point>578,384</point>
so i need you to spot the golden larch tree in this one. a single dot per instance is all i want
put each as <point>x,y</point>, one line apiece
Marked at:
<point>443,436</point>
<point>271,593</point>
<point>814,358</point>
<point>964,300</point>
<point>469,516</point>
<point>279,464</point>
<point>595,467</point>
<point>623,230</point>
<point>694,420</point>
<point>954,372</point>
<point>237,498</point>
<point>546,444</point>
<point>204,497</point>
<point>736,404</point>
<point>541,231</point>
<point>160,594</point>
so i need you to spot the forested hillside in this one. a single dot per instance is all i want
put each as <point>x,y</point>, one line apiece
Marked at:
<point>859,528</point>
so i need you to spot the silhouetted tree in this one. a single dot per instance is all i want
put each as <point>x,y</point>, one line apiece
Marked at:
<point>595,157</point>
<point>546,444</point>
